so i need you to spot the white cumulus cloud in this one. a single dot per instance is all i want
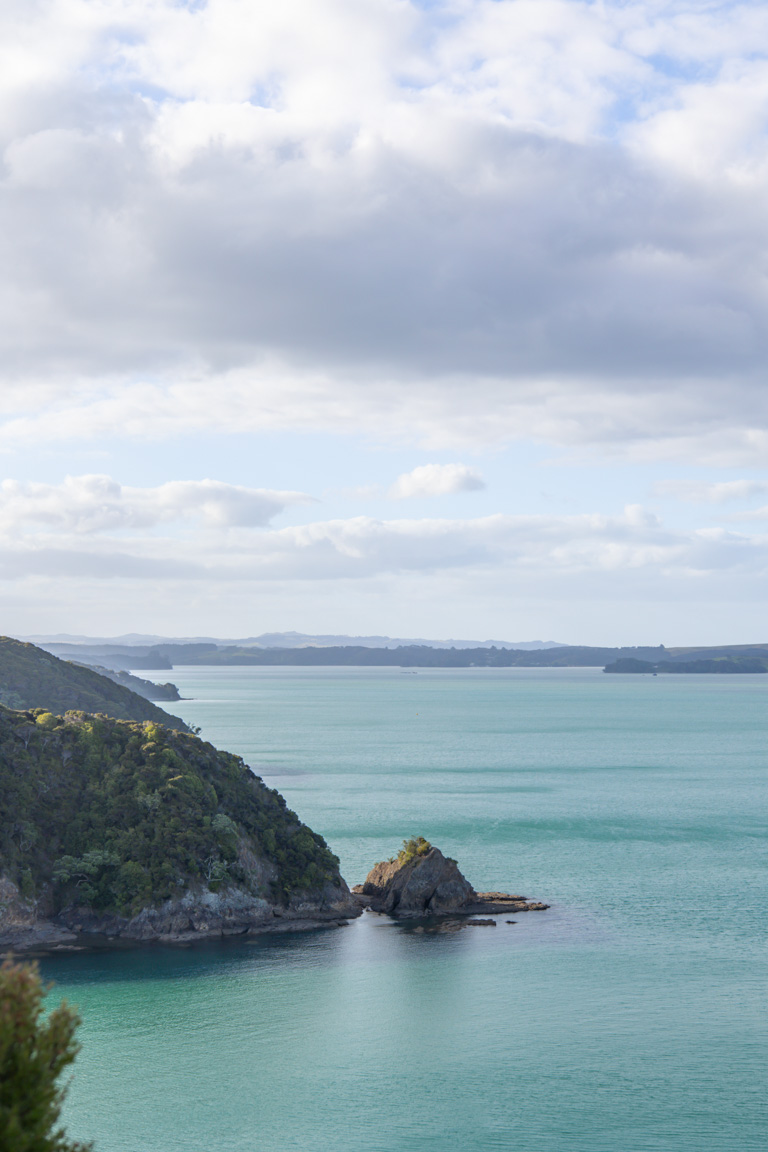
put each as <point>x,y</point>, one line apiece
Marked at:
<point>94,528</point>
<point>436,480</point>
<point>85,505</point>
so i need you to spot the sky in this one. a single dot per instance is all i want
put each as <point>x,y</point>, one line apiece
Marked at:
<point>430,318</point>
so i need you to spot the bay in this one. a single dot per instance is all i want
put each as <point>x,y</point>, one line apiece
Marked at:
<point>630,1016</point>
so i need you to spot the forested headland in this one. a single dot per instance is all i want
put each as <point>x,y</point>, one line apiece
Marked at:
<point>32,678</point>
<point>104,818</point>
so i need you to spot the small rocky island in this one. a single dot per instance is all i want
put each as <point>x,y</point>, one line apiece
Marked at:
<point>421,882</point>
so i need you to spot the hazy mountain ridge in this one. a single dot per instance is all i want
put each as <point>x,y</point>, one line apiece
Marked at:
<point>378,652</point>
<point>424,656</point>
<point>128,644</point>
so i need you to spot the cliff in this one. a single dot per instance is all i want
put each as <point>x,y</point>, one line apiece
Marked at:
<point>32,678</point>
<point>142,832</point>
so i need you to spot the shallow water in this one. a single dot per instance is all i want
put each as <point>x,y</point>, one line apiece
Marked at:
<point>631,1016</point>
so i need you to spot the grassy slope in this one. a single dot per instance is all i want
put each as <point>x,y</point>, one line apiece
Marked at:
<point>32,678</point>
<point>117,815</point>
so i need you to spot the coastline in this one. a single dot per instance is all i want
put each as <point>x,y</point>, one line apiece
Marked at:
<point>198,915</point>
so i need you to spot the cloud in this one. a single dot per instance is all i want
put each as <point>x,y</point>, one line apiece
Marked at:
<point>436,480</point>
<point>86,505</point>
<point>460,223</point>
<point>98,530</point>
<point>701,493</point>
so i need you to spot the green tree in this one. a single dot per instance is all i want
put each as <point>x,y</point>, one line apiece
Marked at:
<point>34,1051</point>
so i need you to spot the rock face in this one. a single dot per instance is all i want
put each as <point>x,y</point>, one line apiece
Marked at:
<point>198,915</point>
<point>21,928</point>
<point>423,882</point>
<point>427,885</point>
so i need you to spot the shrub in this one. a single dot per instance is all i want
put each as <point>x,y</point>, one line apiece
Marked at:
<point>416,846</point>
<point>33,1054</point>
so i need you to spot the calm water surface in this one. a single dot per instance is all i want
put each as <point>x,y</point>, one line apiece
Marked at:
<point>630,1017</point>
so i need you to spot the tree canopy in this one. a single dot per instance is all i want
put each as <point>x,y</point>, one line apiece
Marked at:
<point>33,678</point>
<point>117,815</point>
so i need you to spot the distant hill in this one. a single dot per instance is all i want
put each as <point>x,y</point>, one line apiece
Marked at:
<point>65,642</point>
<point>407,656</point>
<point>718,666</point>
<point>156,653</point>
<point>32,678</point>
<point>146,688</point>
<point>301,649</point>
<point>424,656</point>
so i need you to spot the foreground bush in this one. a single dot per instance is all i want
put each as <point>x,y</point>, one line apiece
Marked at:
<point>34,1051</point>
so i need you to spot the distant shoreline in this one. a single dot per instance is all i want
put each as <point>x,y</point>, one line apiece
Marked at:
<point>166,656</point>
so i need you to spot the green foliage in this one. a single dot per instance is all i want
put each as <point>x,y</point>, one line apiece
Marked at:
<point>34,1051</point>
<point>416,846</point>
<point>115,815</point>
<point>32,678</point>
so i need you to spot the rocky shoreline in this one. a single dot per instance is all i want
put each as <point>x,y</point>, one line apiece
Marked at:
<point>198,915</point>
<point>486,903</point>
<point>426,886</point>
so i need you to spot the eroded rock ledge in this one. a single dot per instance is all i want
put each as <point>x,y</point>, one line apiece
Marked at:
<point>198,915</point>
<point>421,881</point>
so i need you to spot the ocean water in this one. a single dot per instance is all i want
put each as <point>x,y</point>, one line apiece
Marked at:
<point>629,1017</point>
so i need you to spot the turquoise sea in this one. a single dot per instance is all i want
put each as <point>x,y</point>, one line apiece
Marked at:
<point>629,1017</point>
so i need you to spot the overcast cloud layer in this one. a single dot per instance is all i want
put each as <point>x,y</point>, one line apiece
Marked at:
<point>455,226</point>
<point>368,212</point>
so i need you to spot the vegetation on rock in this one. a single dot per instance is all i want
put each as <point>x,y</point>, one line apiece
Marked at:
<point>416,846</point>
<point>34,1051</point>
<point>116,815</point>
<point>32,678</point>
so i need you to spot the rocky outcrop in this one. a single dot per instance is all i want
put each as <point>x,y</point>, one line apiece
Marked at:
<point>197,915</point>
<point>430,884</point>
<point>21,927</point>
<point>424,886</point>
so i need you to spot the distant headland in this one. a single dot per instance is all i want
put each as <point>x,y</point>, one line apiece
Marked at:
<point>299,650</point>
